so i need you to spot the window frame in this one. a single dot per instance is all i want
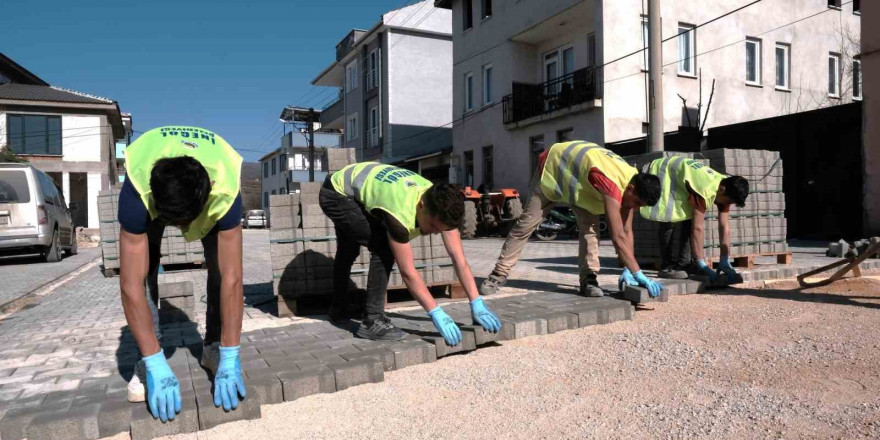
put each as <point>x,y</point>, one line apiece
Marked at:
<point>48,137</point>
<point>646,37</point>
<point>487,84</point>
<point>857,79</point>
<point>560,133</point>
<point>835,4</point>
<point>351,132</point>
<point>489,166</point>
<point>468,159</point>
<point>351,76</point>
<point>592,60</point>
<point>468,92</point>
<point>373,60</point>
<point>483,8</point>
<point>837,77</point>
<point>373,126</point>
<point>535,153</point>
<point>857,7</point>
<point>689,30</point>
<point>266,169</point>
<point>759,77</point>
<point>786,66</point>
<point>275,165</point>
<point>467,15</point>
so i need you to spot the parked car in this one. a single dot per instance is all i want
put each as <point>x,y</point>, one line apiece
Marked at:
<point>256,218</point>
<point>34,217</point>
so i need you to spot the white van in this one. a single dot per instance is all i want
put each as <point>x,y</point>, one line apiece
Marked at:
<point>33,214</point>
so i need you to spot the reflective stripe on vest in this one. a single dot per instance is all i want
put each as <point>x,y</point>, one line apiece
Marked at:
<point>676,173</point>
<point>566,172</point>
<point>219,159</point>
<point>394,190</point>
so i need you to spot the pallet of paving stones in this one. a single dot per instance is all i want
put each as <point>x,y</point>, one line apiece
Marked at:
<point>283,364</point>
<point>759,228</point>
<point>175,251</point>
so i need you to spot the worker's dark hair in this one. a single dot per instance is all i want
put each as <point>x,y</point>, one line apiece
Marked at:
<point>445,202</point>
<point>737,188</point>
<point>647,188</point>
<point>180,188</point>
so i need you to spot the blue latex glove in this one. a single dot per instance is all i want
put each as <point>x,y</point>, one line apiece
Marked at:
<point>653,287</point>
<point>228,383</point>
<point>725,267</point>
<point>707,270</point>
<point>485,317</point>
<point>163,389</point>
<point>446,326</point>
<point>626,278</point>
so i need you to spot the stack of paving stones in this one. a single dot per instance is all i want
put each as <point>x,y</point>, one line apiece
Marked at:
<point>303,247</point>
<point>758,228</point>
<point>177,302</point>
<point>280,364</point>
<point>174,249</point>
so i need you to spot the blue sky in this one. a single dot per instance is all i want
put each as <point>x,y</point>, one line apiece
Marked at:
<point>229,66</point>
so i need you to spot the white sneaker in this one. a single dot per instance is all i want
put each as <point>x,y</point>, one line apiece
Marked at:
<point>136,390</point>
<point>210,357</point>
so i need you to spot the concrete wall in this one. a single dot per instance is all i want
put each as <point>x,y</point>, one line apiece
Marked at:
<point>421,15</point>
<point>871,122</point>
<point>734,101</point>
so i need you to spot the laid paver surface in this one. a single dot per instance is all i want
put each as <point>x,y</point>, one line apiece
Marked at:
<point>22,274</point>
<point>73,348</point>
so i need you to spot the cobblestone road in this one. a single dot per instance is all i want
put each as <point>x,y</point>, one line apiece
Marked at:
<point>22,274</point>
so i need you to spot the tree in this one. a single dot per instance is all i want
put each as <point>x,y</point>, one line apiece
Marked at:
<point>6,155</point>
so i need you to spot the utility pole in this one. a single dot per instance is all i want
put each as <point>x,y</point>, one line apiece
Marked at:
<point>311,131</point>
<point>655,76</point>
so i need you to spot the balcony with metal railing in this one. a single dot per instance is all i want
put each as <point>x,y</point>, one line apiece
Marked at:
<point>333,114</point>
<point>371,79</point>
<point>530,103</point>
<point>373,137</point>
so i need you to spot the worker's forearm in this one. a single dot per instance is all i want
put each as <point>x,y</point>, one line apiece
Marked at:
<point>698,238</point>
<point>724,233</point>
<point>625,251</point>
<point>466,277</point>
<point>231,309</point>
<point>140,319</point>
<point>418,289</point>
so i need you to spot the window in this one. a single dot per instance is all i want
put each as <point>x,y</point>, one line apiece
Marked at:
<point>487,84</point>
<point>783,65</point>
<point>856,7</point>
<point>488,167</point>
<point>351,76</point>
<point>687,56</point>
<point>274,159</point>
<point>468,92</point>
<point>646,37</point>
<point>487,9</point>
<point>282,191</point>
<point>753,61</point>
<point>265,200</point>
<point>553,70</point>
<point>834,4</point>
<point>351,131</point>
<point>373,75</point>
<point>468,14</point>
<point>265,169</point>
<point>469,168</point>
<point>300,162</point>
<point>14,186</point>
<point>373,132</point>
<point>591,50</point>
<point>31,134</point>
<point>857,79</point>
<point>834,75</point>
<point>536,147</point>
<point>274,193</point>
<point>282,162</point>
<point>565,135</point>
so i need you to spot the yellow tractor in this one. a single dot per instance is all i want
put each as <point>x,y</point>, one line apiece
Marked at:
<point>488,214</point>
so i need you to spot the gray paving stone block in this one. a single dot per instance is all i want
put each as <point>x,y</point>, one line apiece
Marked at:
<point>298,384</point>
<point>267,389</point>
<point>380,354</point>
<point>210,416</point>
<point>78,423</point>
<point>173,290</point>
<point>482,337</point>
<point>640,295</point>
<point>559,321</point>
<point>357,372</point>
<point>407,354</point>
<point>115,417</point>
<point>14,424</point>
<point>468,343</point>
<point>526,327</point>
<point>145,427</point>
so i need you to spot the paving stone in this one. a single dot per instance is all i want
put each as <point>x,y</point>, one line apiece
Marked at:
<point>381,354</point>
<point>115,416</point>
<point>80,422</point>
<point>524,328</point>
<point>211,416</point>
<point>298,384</point>
<point>357,372</point>
<point>409,353</point>
<point>14,424</point>
<point>559,321</point>
<point>468,343</point>
<point>267,389</point>
<point>145,427</point>
<point>640,295</point>
<point>482,337</point>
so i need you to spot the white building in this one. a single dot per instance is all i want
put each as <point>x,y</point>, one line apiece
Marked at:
<point>395,98</point>
<point>530,73</point>
<point>282,169</point>
<point>69,135</point>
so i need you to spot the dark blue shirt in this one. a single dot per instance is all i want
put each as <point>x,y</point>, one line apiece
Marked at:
<point>134,217</point>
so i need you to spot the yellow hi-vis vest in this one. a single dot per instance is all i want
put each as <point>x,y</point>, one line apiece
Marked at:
<point>220,160</point>
<point>568,165</point>
<point>394,190</point>
<point>676,173</point>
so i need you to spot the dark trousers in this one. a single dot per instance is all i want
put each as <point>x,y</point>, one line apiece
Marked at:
<point>671,255</point>
<point>154,237</point>
<point>356,228</point>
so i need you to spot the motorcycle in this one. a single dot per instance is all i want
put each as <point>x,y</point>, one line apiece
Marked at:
<point>564,220</point>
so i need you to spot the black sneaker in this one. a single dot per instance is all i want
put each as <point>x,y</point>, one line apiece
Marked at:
<point>380,330</point>
<point>591,289</point>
